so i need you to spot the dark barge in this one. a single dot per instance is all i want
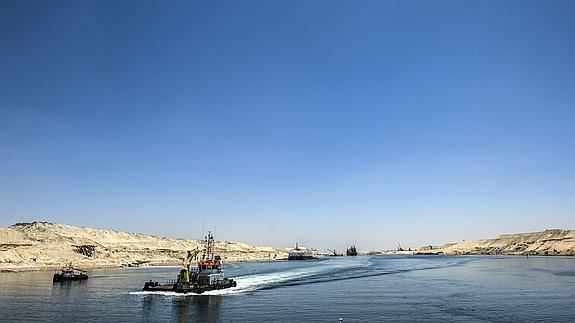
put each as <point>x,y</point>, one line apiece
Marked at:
<point>69,273</point>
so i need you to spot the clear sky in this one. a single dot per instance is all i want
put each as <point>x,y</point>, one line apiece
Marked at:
<point>323,122</point>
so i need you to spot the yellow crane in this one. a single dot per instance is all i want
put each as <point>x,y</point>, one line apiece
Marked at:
<point>184,275</point>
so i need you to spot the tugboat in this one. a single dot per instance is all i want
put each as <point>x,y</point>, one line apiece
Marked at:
<point>351,251</point>
<point>69,273</point>
<point>208,275</point>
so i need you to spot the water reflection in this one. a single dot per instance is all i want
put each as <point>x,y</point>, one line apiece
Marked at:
<point>191,308</point>
<point>197,308</point>
<point>148,305</point>
<point>69,290</point>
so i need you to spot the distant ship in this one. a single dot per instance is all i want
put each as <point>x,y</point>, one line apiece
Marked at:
<point>351,251</point>
<point>69,273</point>
<point>302,253</point>
<point>333,253</point>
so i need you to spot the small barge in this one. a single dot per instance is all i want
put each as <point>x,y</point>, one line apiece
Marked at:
<point>69,273</point>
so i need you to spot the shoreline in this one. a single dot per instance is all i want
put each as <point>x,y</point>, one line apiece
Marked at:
<point>24,269</point>
<point>443,253</point>
<point>56,268</point>
<point>44,246</point>
<point>471,255</point>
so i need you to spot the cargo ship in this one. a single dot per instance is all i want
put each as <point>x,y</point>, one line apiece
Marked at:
<point>351,251</point>
<point>206,276</point>
<point>302,253</point>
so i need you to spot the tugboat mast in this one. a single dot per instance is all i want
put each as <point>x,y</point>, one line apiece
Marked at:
<point>208,253</point>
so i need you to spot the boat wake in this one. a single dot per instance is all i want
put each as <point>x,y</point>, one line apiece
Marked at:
<point>289,277</point>
<point>249,283</point>
<point>321,272</point>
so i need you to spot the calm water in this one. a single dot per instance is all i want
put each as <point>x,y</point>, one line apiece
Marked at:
<point>358,289</point>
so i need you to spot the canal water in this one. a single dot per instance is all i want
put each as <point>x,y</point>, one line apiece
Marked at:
<point>357,289</point>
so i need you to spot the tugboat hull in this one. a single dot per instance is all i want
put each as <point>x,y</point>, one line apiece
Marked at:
<point>61,278</point>
<point>186,288</point>
<point>300,257</point>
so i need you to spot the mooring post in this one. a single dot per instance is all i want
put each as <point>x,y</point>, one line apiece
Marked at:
<point>340,320</point>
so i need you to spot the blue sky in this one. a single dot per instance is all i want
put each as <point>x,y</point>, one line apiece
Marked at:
<point>323,122</point>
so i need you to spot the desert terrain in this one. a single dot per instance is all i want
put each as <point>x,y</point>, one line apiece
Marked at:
<point>48,246</point>
<point>554,242</point>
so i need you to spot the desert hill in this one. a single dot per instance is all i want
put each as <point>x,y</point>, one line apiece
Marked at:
<point>554,242</point>
<point>44,245</point>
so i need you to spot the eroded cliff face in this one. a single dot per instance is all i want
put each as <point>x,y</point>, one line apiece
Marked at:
<point>44,245</point>
<point>554,242</point>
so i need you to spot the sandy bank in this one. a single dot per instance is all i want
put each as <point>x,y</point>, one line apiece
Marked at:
<point>48,246</point>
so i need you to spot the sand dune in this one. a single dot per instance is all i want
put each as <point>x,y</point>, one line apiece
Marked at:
<point>44,245</point>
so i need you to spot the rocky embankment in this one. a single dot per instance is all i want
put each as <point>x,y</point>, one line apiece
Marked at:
<point>46,246</point>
